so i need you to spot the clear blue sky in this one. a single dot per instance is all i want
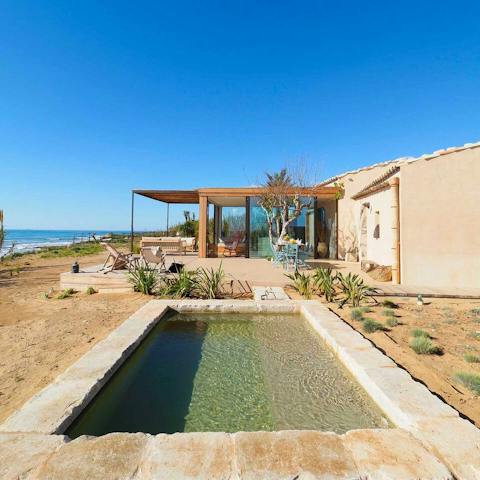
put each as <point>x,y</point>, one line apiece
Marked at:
<point>97,98</point>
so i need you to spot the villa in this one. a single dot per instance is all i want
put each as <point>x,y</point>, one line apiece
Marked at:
<point>415,216</point>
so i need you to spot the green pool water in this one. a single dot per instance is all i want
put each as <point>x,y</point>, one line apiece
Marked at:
<point>199,372</point>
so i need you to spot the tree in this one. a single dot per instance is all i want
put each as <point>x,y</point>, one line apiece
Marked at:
<point>282,203</point>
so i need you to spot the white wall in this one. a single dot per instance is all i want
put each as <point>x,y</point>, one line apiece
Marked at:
<point>379,250</point>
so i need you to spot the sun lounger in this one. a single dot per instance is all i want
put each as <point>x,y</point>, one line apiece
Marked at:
<point>153,255</point>
<point>117,260</point>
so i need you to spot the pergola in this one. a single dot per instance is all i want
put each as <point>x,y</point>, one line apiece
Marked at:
<point>218,197</point>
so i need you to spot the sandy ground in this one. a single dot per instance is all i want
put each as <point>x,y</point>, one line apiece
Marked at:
<point>451,325</point>
<point>40,338</point>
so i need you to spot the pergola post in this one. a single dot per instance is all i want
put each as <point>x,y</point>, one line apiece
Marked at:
<point>202,226</point>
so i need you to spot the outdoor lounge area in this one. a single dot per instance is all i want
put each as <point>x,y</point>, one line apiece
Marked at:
<point>232,223</point>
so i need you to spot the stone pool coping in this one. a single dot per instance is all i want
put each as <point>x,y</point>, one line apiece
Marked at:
<point>434,428</point>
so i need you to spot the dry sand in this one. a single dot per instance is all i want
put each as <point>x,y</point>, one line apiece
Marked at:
<point>40,338</point>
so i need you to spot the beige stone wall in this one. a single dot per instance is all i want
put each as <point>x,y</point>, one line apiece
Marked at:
<point>348,227</point>
<point>379,208</point>
<point>440,220</point>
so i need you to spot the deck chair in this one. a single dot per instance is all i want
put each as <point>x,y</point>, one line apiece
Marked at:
<point>119,260</point>
<point>153,256</point>
<point>230,248</point>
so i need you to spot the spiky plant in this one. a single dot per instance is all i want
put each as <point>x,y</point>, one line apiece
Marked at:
<point>324,279</point>
<point>181,285</point>
<point>302,283</point>
<point>209,282</point>
<point>144,279</point>
<point>354,289</point>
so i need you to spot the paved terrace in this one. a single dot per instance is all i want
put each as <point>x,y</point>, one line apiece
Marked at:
<point>257,272</point>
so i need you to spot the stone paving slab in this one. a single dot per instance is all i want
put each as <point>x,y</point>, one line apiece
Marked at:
<point>269,293</point>
<point>22,453</point>
<point>358,455</point>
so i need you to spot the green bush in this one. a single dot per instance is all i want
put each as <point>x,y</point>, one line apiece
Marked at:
<point>66,293</point>
<point>302,283</point>
<point>392,321</point>
<point>469,380</point>
<point>75,250</point>
<point>418,332</point>
<point>389,304</point>
<point>324,279</point>
<point>90,291</point>
<point>471,358</point>
<point>388,312</point>
<point>144,279</point>
<point>424,346</point>
<point>365,309</point>
<point>370,325</point>
<point>356,314</point>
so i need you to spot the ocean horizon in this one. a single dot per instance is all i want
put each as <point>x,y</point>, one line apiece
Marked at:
<point>28,240</point>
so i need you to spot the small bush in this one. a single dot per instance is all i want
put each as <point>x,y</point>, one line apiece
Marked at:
<point>365,309</point>
<point>370,325</point>
<point>471,358</point>
<point>469,380</point>
<point>182,285</point>
<point>475,335</point>
<point>388,312</point>
<point>90,291</point>
<point>392,321</point>
<point>66,293</point>
<point>418,332</point>
<point>356,314</point>
<point>389,304</point>
<point>424,346</point>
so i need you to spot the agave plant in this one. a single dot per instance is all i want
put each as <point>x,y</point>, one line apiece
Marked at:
<point>302,283</point>
<point>144,279</point>
<point>324,279</point>
<point>209,282</point>
<point>354,289</point>
<point>181,285</point>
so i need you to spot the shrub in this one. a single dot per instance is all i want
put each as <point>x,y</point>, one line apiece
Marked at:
<point>389,304</point>
<point>469,380</point>
<point>66,293</point>
<point>365,309</point>
<point>302,283</point>
<point>475,335</point>
<point>388,312</point>
<point>209,282</point>
<point>418,332</point>
<point>144,279</point>
<point>181,285</point>
<point>356,314</point>
<point>90,291</point>
<point>424,346</point>
<point>392,321</point>
<point>370,325</point>
<point>324,280</point>
<point>471,358</point>
<point>354,289</point>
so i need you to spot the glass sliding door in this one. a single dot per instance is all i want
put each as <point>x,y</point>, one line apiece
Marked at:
<point>259,243</point>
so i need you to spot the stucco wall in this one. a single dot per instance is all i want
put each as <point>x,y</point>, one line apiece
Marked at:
<point>348,228</point>
<point>440,220</point>
<point>379,249</point>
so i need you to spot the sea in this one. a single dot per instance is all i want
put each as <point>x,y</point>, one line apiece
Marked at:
<point>31,240</point>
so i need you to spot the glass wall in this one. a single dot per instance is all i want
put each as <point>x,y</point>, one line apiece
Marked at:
<point>232,226</point>
<point>326,229</point>
<point>302,228</point>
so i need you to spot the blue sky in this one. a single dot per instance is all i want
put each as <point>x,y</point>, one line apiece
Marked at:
<point>97,98</point>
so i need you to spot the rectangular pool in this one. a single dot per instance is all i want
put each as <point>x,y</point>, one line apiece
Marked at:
<point>230,372</point>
